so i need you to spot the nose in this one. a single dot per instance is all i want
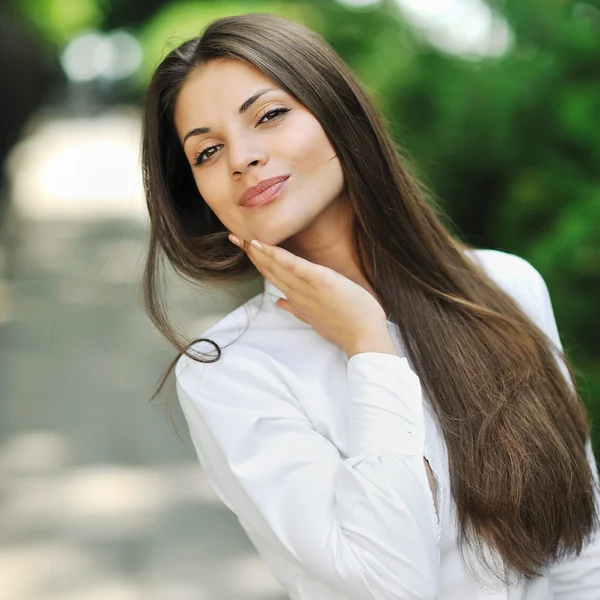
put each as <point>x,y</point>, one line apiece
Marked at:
<point>244,155</point>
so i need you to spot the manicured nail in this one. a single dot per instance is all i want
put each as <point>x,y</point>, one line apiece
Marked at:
<point>234,239</point>
<point>257,244</point>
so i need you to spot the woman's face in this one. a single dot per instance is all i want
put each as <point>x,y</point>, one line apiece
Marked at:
<point>242,149</point>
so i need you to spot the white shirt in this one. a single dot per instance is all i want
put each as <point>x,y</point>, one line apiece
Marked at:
<point>321,457</point>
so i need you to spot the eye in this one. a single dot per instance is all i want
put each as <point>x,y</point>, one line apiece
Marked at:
<point>277,112</point>
<point>273,115</point>
<point>198,160</point>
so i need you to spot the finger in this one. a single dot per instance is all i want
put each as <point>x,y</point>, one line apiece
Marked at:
<point>275,273</point>
<point>287,305</point>
<point>266,252</point>
<point>264,266</point>
<point>289,269</point>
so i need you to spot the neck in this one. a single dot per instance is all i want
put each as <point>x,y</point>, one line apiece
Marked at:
<point>328,242</point>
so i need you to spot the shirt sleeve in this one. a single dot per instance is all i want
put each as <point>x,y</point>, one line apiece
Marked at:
<point>577,578</point>
<point>364,525</point>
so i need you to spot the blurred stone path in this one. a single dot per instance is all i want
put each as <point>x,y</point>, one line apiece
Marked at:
<point>99,499</point>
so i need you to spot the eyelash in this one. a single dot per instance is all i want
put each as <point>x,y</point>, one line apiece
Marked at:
<point>278,112</point>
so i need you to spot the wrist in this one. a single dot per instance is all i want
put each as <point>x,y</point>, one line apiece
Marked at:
<point>379,341</point>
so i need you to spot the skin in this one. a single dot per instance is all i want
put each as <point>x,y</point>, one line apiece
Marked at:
<point>305,234</point>
<point>312,217</point>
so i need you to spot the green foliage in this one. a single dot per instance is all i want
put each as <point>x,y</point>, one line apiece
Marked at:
<point>59,20</point>
<point>511,145</point>
<point>176,22</point>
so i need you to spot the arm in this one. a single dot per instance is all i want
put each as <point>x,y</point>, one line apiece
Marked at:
<point>365,526</point>
<point>577,578</point>
<point>382,342</point>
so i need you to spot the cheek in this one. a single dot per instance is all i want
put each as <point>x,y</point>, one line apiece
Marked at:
<point>313,156</point>
<point>316,159</point>
<point>306,143</point>
<point>212,189</point>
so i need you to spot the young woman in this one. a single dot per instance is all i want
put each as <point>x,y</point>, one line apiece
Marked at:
<point>393,416</point>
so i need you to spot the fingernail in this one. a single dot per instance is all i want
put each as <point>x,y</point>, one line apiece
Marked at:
<point>257,244</point>
<point>234,239</point>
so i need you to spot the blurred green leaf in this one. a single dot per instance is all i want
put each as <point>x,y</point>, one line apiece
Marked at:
<point>59,20</point>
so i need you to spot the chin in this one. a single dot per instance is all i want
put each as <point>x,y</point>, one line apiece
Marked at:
<point>290,221</point>
<point>279,227</point>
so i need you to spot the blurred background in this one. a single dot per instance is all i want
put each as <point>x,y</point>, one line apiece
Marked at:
<point>497,102</point>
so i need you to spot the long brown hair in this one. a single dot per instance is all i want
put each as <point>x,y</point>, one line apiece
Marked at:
<point>514,426</point>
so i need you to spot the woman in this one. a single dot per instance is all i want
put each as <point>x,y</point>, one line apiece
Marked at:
<point>396,418</point>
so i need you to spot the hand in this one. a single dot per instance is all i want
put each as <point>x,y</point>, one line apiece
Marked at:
<point>338,309</point>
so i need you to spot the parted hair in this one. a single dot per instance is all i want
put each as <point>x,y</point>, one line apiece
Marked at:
<point>510,413</point>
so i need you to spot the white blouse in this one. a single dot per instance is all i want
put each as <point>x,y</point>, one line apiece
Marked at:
<point>321,457</point>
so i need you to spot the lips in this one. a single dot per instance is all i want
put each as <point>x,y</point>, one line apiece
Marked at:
<point>261,187</point>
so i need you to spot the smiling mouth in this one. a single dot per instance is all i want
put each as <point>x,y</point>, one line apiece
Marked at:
<point>266,196</point>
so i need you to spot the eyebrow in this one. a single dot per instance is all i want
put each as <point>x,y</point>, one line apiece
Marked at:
<point>242,109</point>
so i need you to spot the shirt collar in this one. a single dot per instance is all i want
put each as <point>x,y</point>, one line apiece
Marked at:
<point>271,289</point>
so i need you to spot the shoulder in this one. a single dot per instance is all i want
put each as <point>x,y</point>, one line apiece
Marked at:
<point>525,284</point>
<point>243,367</point>
<point>258,341</point>
<point>228,334</point>
<point>505,268</point>
<point>516,276</point>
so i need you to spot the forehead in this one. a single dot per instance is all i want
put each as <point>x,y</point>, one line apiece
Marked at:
<point>218,87</point>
